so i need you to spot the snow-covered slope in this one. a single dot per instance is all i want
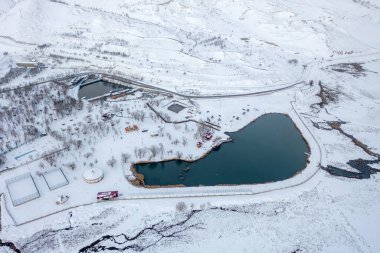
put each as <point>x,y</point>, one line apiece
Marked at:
<point>6,5</point>
<point>330,49</point>
<point>224,45</point>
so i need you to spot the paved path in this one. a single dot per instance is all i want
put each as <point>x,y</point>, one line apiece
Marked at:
<point>148,86</point>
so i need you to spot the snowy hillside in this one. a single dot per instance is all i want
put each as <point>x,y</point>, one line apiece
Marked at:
<point>226,63</point>
<point>233,46</point>
<point>6,5</point>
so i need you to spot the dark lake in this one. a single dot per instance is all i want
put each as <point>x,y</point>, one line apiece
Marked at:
<point>269,149</point>
<point>98,88</point>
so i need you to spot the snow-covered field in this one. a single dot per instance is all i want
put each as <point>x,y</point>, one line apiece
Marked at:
<point>326,53</point>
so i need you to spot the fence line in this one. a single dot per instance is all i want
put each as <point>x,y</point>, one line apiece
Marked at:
<point>31,161</point>
<point>27,198</point>
<point>57,185</point>
<point>6,208</point>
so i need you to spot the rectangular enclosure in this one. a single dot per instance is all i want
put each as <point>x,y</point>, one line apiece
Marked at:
<point>55,179</point>
<point>22,189</point>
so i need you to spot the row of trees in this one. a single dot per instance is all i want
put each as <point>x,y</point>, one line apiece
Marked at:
<point>151,151</point>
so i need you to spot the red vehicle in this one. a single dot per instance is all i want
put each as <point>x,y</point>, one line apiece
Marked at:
<point>107,195</point>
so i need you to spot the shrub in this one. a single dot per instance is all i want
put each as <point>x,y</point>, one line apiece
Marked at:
<point>181,206</point>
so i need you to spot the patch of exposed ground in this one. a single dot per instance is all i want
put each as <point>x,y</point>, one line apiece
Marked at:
<point>355,69</point>
<point>336,125</point>
<point>145,238</point>
<point>170,231</point>
<point>49,240</point>
<point>12,74</point>
<point>327,96</point>
<point>10,245</point>
<point>364,170</point>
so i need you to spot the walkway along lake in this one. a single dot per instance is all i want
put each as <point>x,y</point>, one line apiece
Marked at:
<point>269,149</point>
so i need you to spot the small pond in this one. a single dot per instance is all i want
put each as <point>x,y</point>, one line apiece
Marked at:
<point>269,149</point>
<point>176,108</point>
<point>99,88</point>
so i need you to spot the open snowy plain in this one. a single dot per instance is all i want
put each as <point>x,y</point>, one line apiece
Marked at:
<point>229,62</point>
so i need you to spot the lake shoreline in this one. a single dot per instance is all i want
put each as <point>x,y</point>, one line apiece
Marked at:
<point>141,178</point>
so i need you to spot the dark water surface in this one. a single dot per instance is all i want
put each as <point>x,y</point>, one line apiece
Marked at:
<point>98,88</point>
<point>268,149</point>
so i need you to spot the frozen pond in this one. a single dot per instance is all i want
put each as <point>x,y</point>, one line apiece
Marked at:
<point>269,149</point>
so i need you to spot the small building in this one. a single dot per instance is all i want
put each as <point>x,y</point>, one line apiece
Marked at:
<point>118,95</point>
<point>92,176</point>
<point>31,65</point>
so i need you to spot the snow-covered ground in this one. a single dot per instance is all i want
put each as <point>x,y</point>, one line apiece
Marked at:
<point>192,48</point>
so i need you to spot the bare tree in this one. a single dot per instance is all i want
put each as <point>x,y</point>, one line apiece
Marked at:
<point>41,165</point>
<point>161,149</point>
<point>166,116</point>
<point>50,159</point>
<point>87,155</point>
<point>138,115</point>
<point>184,141</point>
<point>71,165</point>
<point>78,144</point>
<point>140,152</point>
<point>154,150</point>
<point>125,157</point>
<point>2,159</point>
<point>201,130</point>
<point>111,162</point>
<point>181,206</point>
